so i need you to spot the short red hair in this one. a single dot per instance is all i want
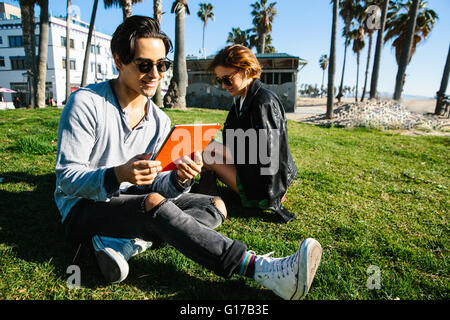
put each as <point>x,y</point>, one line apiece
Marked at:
<point>239,57</point>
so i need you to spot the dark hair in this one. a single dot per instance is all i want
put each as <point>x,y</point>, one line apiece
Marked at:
<point>239,57</point>
<point>133,28</point>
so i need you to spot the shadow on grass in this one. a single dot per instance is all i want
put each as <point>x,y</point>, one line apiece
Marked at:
<point>30,223</point>
<point>236,210</point>
<point>167,280</point>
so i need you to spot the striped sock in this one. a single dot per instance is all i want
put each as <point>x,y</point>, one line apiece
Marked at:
<point>247,264</point>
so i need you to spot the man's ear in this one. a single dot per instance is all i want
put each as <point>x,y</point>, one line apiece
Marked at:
<point>117,61</point>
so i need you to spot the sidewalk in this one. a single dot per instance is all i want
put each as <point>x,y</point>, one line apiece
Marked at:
<point>304,112</point>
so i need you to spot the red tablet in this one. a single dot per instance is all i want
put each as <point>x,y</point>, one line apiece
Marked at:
<point>185,139</point>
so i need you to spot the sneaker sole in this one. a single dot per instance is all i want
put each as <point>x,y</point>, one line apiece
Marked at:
<point>111,263</point>
<point>310,255</point>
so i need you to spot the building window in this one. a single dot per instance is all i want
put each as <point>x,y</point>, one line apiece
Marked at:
<point>99,68</point>
<point>2,61</point>
<point>17,63</point>
<point>63,42</point>
<point>15,41</point>
<point>95,49</point>
<point>286,77</point>
<point>269,78</point>
<point>72,64</point>
<point>1,40</point>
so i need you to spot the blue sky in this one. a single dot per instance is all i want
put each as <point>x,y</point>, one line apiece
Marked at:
<point>301,28</point>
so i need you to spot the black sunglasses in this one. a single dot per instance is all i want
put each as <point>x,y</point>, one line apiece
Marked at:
<point>146,65</point>
<point>226,80</point>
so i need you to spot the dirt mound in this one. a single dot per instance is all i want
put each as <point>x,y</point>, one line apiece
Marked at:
<point>382,115</point>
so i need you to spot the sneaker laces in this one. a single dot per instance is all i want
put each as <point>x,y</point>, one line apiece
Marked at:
<point>276,267</point>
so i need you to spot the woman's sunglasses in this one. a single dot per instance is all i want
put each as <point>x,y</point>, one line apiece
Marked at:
<point>146,65</point>
<point>226,80</point>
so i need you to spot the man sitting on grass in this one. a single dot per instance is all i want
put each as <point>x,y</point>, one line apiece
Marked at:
<point>109,193</point>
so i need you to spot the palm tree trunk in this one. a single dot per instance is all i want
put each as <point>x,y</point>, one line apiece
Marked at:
<point>406,50</point>
<point>43,49</point>
<point>157,14</point>
<point>68,86</point>
<point>367,66</point>
<point>262,43</point>
<point>27,13</point>
<point>358,54</point>
<point>378,48</point>
<point>157,10</point>
<point>88,46</point>
<point>321,87</point>
<point>340,94</point>
<point>180,71</point>
<point>34,68</point>
<point>444,83</point>
<point>332,61</point>
<point>203,41</point>
<point>127,9</point>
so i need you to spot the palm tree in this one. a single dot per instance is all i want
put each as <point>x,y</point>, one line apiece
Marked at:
<point>348,11</point>
<point>176,94</point>
<point>369,30</point>
<point>443,87</point>
<point>68,91</point>
<point>88,45</point>
<point>378,48</point>
<point>358,45</point>
<point>323,63</point>
<point>43,49</point>
<point>126,6</point>
<point>408,24</point>
<point>238,36</point>
<point>29,44</point>
<point>205,13</point>
<point>268,48</point>
<point>157,15</point>
<point>254,41</point>
<point>332,61</point>
<point>369,52</point>
<point>262,18</point>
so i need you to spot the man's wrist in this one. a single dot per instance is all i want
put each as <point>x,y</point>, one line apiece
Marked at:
<point>118,174</point>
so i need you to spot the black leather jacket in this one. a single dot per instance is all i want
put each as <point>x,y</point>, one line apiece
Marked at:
<point>262,110</point>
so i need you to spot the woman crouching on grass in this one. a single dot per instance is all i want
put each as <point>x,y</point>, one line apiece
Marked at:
<point>254,159</point>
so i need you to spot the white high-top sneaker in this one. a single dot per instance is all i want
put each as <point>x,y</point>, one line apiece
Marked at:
<point>290,277</point>
<point>113,253</point>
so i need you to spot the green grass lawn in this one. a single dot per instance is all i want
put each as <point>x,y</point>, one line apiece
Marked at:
<point>373,199</point>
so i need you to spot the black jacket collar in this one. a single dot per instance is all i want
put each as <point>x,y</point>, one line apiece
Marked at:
<point>253,89</point>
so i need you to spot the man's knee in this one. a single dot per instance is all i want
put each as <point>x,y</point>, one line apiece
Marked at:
<point>153,200</point>
<point>219,204</point>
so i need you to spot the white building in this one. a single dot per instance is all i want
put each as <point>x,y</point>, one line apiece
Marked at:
<point>12,57</point>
